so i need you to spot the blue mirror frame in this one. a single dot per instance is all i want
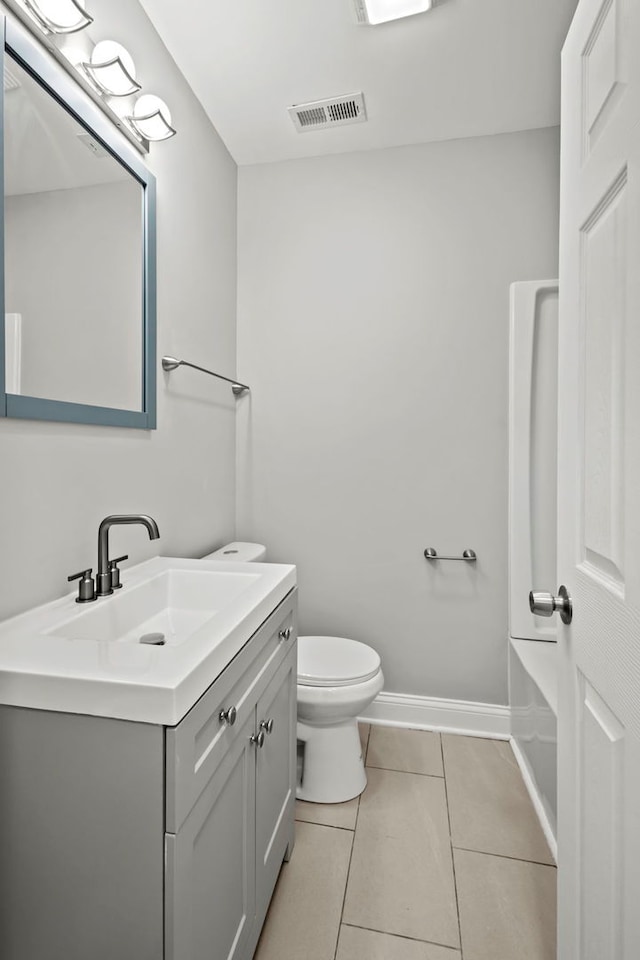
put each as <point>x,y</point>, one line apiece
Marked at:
<point>29,54</point>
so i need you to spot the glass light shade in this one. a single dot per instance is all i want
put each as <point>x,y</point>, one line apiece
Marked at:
<point>112,69</point>
<point>60,16</point>
<point>151,118</point>
<point>380,11</point>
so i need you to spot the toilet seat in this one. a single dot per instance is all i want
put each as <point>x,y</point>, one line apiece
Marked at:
<point>335,662</point>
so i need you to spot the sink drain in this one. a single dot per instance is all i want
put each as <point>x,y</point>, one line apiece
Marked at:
<point>156,639</point>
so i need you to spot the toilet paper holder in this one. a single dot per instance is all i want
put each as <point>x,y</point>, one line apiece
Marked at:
<point>432,554</point>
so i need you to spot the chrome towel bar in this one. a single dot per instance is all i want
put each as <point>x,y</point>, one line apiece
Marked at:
<point>170,363</point>
<point>469,555</point>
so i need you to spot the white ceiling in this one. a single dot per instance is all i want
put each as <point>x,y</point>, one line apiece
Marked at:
<point>466,68</point>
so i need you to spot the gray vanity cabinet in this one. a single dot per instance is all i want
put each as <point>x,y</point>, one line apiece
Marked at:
<point>127,840</point>
<point>230,800</point>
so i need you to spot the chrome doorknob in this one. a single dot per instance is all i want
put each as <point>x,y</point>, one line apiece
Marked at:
<point>258,739</point>
<point>267,725</point>
<point>545,604</point>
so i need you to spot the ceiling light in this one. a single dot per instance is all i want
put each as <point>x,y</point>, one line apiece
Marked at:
<point>112,69</point>
<point>380,11</point>
<point>151,118</point>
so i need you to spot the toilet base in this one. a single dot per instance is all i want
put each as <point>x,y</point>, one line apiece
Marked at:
<point>332,767</point>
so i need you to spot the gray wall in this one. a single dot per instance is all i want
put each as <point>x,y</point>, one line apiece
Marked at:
<point>373,329</point>
<point>57,481</point>
<point>373,318</point>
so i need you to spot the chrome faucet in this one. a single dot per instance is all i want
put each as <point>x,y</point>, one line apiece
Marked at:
<point>108,576</point>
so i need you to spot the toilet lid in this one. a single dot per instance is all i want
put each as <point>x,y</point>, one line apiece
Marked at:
<point>335,661</point>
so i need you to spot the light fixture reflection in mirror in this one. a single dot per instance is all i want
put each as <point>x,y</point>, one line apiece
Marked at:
<point>112,70</point>
<point>381,11</point>
<point>151,118</point>
<point>59,16</point>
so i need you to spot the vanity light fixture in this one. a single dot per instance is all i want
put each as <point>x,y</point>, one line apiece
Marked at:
<point>106,69</point>
<point>151,118</point>
<point>381,11</point>
<point>59,16</point>
<point>112,70</point>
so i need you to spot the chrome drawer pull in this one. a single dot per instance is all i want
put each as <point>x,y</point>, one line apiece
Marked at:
<point>228,716</point>
<point>267,725</point>
<point>258,739</point>
<point>285,634</point>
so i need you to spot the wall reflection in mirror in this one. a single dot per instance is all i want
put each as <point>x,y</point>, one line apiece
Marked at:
<point>74,266</point>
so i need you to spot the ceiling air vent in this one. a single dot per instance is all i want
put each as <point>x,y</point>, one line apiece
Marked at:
<point>336,112</point>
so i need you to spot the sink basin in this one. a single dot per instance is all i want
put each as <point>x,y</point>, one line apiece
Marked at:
<point>89,659</point>
<point>176,603</point>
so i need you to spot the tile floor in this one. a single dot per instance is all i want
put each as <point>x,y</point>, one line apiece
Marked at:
<point>441,858</point>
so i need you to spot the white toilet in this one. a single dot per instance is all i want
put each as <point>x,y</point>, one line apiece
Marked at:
<point>337,679</point>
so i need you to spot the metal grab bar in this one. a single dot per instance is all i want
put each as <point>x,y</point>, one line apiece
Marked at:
<point>170,363</point>
<point>469,555</point>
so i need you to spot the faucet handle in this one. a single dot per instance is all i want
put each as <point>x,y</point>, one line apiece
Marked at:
<point>114,572</point>
<point>86,587</point>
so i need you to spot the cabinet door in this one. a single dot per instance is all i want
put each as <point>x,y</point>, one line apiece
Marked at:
<point>210,864</point>
<point>275,779</point>
<point>197,745</point>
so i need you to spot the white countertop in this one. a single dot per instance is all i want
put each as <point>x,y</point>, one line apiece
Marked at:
<point>132,681</point>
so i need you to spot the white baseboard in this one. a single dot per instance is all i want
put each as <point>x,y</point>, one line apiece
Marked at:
<point>536,799</point>
<point>448,716</point>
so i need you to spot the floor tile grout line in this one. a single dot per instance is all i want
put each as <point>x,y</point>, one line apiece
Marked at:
<point>506,856</point>
<point>353,843</point>
<point>414,773</point>
<point>346,884</point>
<point>402,936</point>
<point>418,773</point>
<point>334,826</point>
<point>453,860</point>
<point>325,826</point>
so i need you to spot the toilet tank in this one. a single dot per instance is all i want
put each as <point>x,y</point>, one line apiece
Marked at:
<point>240,551</point>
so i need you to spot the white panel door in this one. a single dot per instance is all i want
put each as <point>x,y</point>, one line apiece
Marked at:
<point>599,486</point>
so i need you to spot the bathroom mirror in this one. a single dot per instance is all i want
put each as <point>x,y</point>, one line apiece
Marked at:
<point>79,253</point>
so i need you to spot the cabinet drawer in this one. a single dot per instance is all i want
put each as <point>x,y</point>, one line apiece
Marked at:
<point>196,746</point>
<point>210,867</point>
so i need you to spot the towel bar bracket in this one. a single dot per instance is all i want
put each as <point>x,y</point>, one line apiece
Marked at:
<point>469,555</point>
